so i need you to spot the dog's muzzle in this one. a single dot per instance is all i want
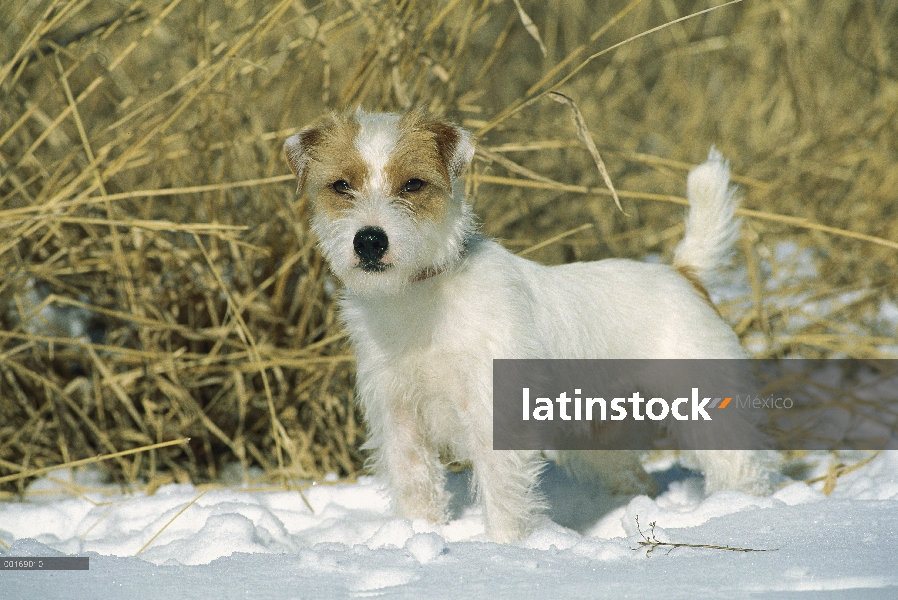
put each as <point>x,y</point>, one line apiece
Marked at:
<point>370,244</point>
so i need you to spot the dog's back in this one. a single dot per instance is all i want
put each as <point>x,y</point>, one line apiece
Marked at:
<point>604,309</point>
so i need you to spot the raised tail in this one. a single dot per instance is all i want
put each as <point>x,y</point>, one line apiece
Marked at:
<point>711,225</point>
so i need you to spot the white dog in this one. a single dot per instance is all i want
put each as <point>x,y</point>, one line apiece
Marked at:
<point>429,304</point>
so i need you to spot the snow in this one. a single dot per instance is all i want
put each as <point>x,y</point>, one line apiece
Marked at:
<point>237,542</point>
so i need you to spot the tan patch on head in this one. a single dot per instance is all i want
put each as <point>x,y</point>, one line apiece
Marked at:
<point>424,150</point>
<point>332,156</point>
<point>421,153</point>
<point>692,277</point>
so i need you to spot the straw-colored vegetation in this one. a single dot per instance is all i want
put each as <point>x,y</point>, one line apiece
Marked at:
<point>159,280</point>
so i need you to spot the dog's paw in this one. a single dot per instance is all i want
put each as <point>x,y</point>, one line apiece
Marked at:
<point>630,483</point>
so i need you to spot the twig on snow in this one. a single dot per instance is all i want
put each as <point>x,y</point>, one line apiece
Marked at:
<point>651,542</point>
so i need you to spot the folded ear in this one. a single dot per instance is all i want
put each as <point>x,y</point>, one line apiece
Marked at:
<point>455,145</point>
<point>298,149</point>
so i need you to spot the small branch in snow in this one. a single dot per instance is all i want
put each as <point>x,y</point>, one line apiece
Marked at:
<point>651,542</point>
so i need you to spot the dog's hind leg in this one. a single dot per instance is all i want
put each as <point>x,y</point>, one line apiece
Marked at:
<point>746,471</point>
<point>620,471</point>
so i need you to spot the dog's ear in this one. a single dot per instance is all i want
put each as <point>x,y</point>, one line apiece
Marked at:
<point>456,147</point>
<point>298,149</point>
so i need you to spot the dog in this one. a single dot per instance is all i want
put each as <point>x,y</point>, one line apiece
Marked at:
<point>429,303</point>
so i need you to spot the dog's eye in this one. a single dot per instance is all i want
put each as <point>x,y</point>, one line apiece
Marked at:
<point>413,185</point>
<point>341,186</point>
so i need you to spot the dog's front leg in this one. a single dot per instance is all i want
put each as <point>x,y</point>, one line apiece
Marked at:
<point>412,469</point>
<point>505,481</point>
<point>506,484</point>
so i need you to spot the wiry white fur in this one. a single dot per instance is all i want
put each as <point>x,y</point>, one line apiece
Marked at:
<point>425,347</point>
<point>376,141</point>
<point>711,229</point>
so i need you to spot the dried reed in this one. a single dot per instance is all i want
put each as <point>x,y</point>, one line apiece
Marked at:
<point>159,278</point>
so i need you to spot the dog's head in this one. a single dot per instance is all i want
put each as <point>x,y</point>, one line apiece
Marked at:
<point>385,204</point>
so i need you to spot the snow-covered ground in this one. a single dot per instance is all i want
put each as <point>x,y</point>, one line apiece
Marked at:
<point>234,542</point>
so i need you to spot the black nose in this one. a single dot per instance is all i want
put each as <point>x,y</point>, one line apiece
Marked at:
<point>370,244</point>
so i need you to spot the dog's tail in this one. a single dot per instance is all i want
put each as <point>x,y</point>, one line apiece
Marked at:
<point>711,225</point>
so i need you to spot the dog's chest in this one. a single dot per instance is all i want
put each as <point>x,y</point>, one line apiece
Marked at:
<point>431,347</point>
<point>429,321</point>
<point>423,360</point>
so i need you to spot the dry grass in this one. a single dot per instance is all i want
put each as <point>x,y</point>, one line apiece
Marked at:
<point>143,193</point>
